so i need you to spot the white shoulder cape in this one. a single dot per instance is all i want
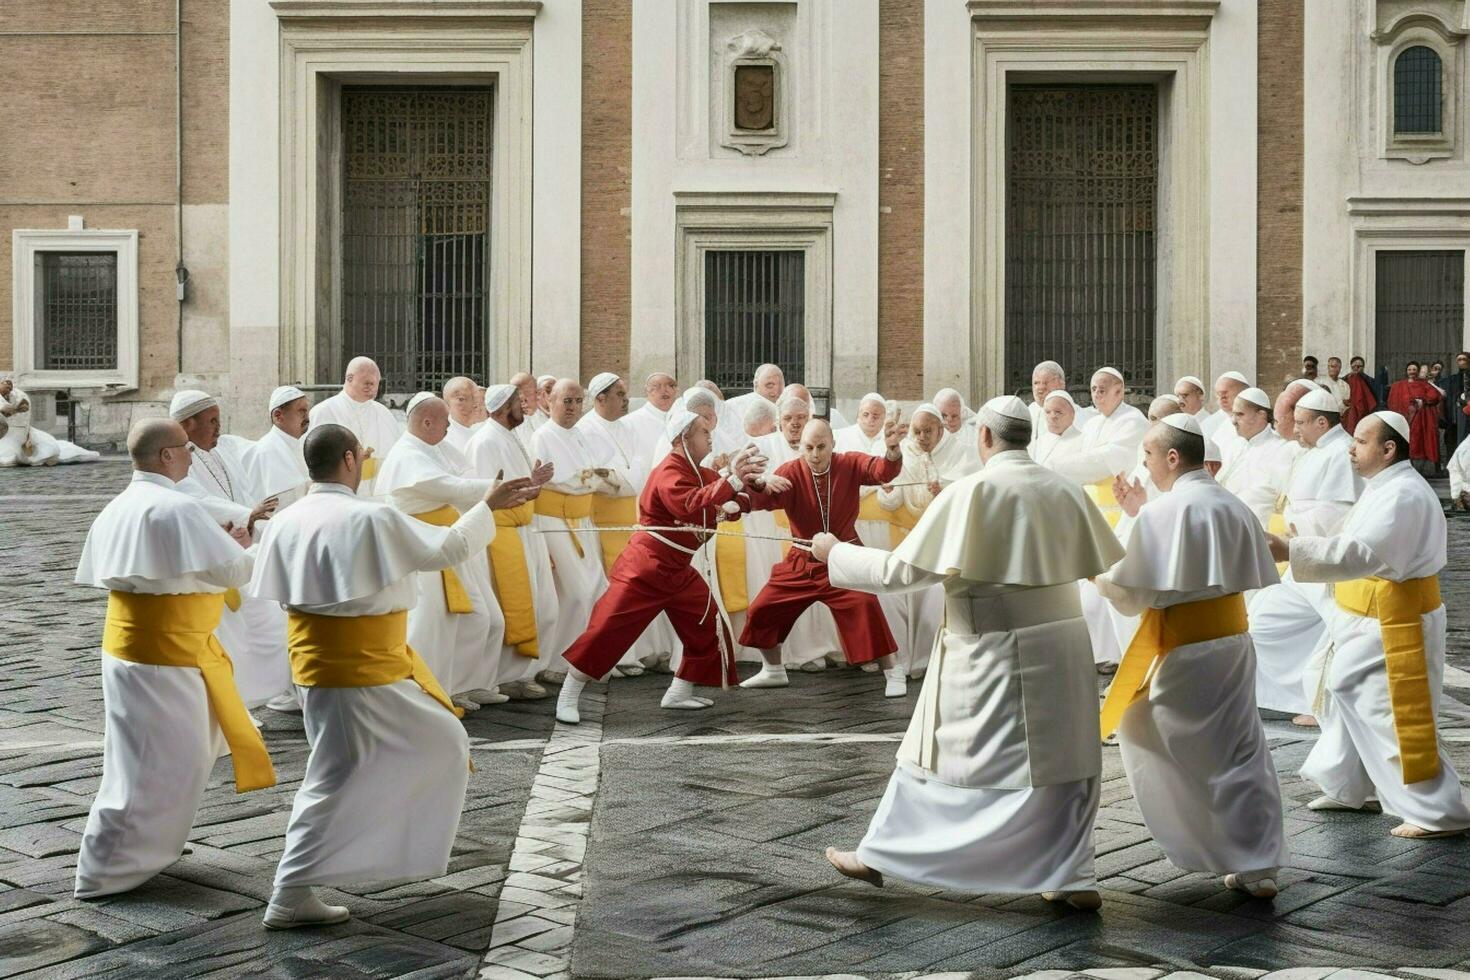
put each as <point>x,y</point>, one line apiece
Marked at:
<point>154,532</point>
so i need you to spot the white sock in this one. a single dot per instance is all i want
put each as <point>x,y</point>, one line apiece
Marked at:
<point>571,691</point>
<point>680,690</point>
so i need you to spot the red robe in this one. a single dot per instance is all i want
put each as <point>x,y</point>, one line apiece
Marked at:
<point>799,580</point>
<point>651,576</point>
<point>1423,418</point>
<point>1361,402</point>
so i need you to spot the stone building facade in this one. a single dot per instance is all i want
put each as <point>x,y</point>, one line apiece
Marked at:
<point>884,194</point>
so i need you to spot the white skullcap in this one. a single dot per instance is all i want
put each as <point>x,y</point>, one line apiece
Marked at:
<point>541,379</point>
<point>1212,451</point>
<point>497,395</point>
<point>699,396</point>
<point>678,423</point>
<point>1304,383</point>
<point>1235,376</point>
<point>1320,400</point>
<point>601,383</point>
<point>1191,379</point>
<point>1008,406</point>
<point>873,396</point>
<point>945,394</point>
<point>1184,423</point>
<point>928,408</point>
<point>284,395</point>
<point>1110,370</point>
<point>1394,421</point>
<point>1256,397</point>
<point>1061,393</point>
<point>190,402</point>
<point>418,400</point>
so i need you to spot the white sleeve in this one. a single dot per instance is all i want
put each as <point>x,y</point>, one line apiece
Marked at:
<point>1127,600</point>
<point>852,566</point>
<point>1460,470</point>
<point>459,492</point>
<point>236,574</point>
<point>224,512</point>
<point>1336,559</point>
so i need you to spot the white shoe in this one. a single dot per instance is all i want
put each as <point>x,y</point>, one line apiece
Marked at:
<point>767,677</point>
<point>1329,804</point>
<point>630,670</point>
<point>552,677</point>
<point>484,696</point>
<point>309,911</point>
<point>285,703</point>
<point>684,704</point>
<point>871,667</point>
<point>812,666</point>
<point>1256,884</point>
<point>895,684</point>
<point>568,714</point>
<point>464,703</point>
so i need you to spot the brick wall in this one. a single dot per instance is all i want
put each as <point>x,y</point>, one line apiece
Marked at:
<point>1279,195</point>
<point>607,154</point>
<point>901,200</point>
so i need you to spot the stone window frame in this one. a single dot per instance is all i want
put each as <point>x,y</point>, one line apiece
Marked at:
<point>26,245</point>
<point>755,47</point>
<point>1419,29</point>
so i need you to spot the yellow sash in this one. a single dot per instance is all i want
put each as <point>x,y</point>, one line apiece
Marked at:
<point>232,600</point>
<point>870,510</point>
<point>178,631</point>
<point>456,599</point>
<point>357,651</point>
<point>1277,525</point>
<point>1101,493</point>
<point>1160,631</point>
<point>613,512</point>
<point>903,521</point>
<point>369,467</point>
<point>784,523</point>
<point>730,563</point>
<point>566,507</point>
<point>507,555</point>
<point>1397,606</point>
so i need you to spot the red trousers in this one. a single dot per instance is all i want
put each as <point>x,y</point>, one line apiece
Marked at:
<point>793,588</point>
<point>645,581</point>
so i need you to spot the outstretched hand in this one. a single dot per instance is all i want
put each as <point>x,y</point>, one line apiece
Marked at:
<point>541,473</point>
<point>1280,546</point>
<point>893,432</point>
<point>777,484</point>
<point>1130,495</point>
<point>505,494</point>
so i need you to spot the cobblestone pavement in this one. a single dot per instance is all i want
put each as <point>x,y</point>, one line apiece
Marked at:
<point>648,843</point>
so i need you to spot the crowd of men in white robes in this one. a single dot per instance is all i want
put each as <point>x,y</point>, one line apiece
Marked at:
<point>384,577</point>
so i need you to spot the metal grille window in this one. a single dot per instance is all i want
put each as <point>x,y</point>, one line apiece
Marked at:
<point>416,232</point>
<point>1418,99</point>
<point>1419,307</point>
<point>754,313</point>
<point>76,311</point>
<point>1082,175</point>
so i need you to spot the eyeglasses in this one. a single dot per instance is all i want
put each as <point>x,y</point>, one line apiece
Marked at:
<point>183,445</point>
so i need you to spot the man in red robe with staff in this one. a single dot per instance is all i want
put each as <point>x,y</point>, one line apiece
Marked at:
<point>653,573</point>
<point>1417,400</point>
<point>823,496</point>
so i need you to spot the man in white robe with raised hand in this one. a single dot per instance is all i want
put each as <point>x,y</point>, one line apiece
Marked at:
<point>356,407</point>
<point>274,464</point>
<point>998,776</point>
<point>1183,701</point>
<point>168,694</point>
<point>456,626</point>
<point>385,780</point>
<point>1384,675</point>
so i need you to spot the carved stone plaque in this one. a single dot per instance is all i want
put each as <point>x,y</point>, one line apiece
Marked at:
<point>755,97</point>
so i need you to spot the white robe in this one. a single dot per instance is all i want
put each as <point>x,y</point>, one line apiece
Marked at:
<point>529,425</point>
<point>276,467</point>
<point>997,783</point>
<point>1193,747</point>
<point>385,781</point>
<point>1219,427</point>
<point>1256,471</point>
<point>160,738</point>
<point>1109,446</point>
<point>495,450</point>
<point>372,423</point>
<point>1395,531</point>
<point>462,649</point>
<point>459,434</point>
<point>1288,620</point>
<point>1459,470</point>
<point>1038,420</point>
<point>579,578</point>
<point>1049,449</point>
<point>920,610</point>
<point>254,634</point>
<point>25,445</point>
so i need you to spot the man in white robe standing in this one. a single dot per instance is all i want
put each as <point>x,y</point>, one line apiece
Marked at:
<point>520,566</point>
<point>998,780</point>
<point>1289,620</point>
<point>1256,464</point>
<point>456,626</point>
<point>646,423</point>
<point>274,464</point>
<point>1047,377</point>
<point>1059,436</point>
<point>564,520</point>
<point>466,410</point>
<point>357,408</point>
<point>1110,442</point>
<point>169,700</point>
<point>1183,701</point>
<point>1191,394</point>
<point>1384,675</point>
<point>1220,426</point>
<point>767,385</point>
<point>524,384</point>
<point>918,483</point>
<point>959,457</point>
<point>389,763</point>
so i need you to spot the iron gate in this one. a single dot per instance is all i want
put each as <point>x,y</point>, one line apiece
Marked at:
<point>1082,175</point>
<point>1419,307</point>
<point>416,232</point>
<point>754,313</point>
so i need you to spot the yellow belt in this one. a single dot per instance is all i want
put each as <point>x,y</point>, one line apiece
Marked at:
<point>902,522</point>
<point>566,507</point>
<point>613,512</point>
<point>1160,631</point>
<point>1277,526</point>
<point>870,510</point>
<point>1101,493</point>
<point>730,563</point>
<point>369,468</point>
<point>357,651</point>
<point>1398,607</point>
<point>178,631</point>
<point>784,523</point>
<point>507,555</point>
<point>456,599</point>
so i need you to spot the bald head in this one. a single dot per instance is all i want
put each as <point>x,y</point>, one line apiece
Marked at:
<point>462,396</point>
<point>159,446</point>
<point>564,403</point>
<point>429,420</point>
<point>769,381</point>
<point>362,379</point>
<point>817,445</point>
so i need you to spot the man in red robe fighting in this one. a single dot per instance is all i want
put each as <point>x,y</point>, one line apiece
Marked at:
<point>1418,401</point>
<point>653,574</point>
<point>823,496</point>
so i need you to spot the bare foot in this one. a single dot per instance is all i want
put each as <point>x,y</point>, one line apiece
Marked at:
<point>848,865</point>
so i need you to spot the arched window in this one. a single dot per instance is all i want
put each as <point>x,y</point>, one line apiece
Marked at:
<point>1418,96</point>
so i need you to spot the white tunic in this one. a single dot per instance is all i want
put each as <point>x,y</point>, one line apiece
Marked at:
<point>372,423</point>
<point>1256,471</point>
<point>462,649</point>
<point>1219,426</point>
<point>460,434</point>
<point>277,468</point>
<point>1395,531</point>
<point>1109,446</point>
<point>997,781</point>
<point>385,781</point>
<point>919,610</point>
<point>1049,449</point>
<point>161,739</point>
<point>1459,467</point>
<point>495,451</point>
<point>1193,748</point>
<point>1038,419</point>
